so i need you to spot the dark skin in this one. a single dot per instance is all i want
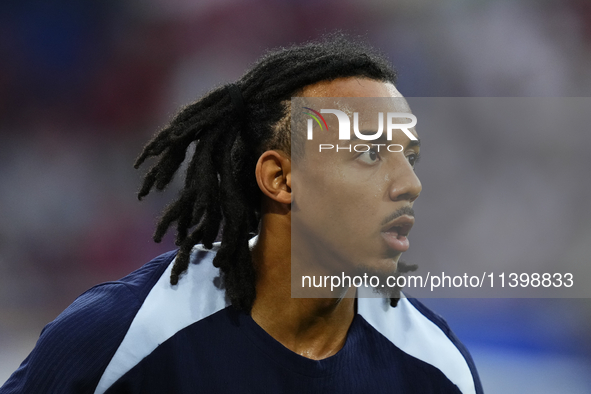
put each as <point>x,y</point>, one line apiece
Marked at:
<point>316,328</point>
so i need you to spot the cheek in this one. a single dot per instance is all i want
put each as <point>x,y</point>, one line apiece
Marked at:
<point>354,206</point>
<point>339,194</point>
<point>364,188</point>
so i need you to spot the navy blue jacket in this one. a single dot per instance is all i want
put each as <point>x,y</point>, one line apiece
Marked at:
<point>142,335</point>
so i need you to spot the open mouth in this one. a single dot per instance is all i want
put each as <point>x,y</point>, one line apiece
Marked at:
<point>395,233</point>
<point>401,230</point>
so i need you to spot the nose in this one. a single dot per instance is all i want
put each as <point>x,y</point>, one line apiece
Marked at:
<point>405,185</point>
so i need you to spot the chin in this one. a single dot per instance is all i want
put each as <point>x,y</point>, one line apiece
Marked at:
<point>381,268</point>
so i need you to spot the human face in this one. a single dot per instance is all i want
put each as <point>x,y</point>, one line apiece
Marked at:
<point>352,211</point>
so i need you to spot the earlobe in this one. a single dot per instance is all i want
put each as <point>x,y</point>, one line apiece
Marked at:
<point>273,174</point>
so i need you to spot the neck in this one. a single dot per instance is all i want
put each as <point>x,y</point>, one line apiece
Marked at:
<point>315,328</point>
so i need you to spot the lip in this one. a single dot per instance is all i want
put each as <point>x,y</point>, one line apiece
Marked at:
<point>395,233</point>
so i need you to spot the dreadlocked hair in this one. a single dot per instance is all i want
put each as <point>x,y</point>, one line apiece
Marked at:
<point>220,188</point>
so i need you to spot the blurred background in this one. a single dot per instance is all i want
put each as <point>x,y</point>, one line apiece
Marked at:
<point>84,84</point>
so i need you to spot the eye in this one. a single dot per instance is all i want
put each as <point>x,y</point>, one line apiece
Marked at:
<point>370,156</point>
<point>413,159</point>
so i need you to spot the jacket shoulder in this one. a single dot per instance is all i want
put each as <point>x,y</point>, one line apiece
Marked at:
<point>421,333</point>
<point>74,349</point>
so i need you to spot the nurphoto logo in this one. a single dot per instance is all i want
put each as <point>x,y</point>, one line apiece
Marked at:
<point>392,119</point>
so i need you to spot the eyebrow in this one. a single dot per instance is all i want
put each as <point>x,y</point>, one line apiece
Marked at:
<point>411,144</point>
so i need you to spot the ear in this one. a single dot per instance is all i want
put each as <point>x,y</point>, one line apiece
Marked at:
<point>273,173</point>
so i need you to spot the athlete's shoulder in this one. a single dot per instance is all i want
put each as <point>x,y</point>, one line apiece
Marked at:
<point>165,311</point>
<point>421,333</point>
<point>74,349</point>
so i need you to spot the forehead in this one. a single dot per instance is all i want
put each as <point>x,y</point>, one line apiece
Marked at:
<point>350,87</point>
<point>358,88</point>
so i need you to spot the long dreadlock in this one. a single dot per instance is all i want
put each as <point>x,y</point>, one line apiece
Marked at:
<point>220,188</point>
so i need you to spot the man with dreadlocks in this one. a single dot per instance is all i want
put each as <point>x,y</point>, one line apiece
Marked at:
<point>219,317</point>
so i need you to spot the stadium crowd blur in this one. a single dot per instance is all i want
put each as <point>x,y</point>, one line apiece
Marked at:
<point>84,84</point>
